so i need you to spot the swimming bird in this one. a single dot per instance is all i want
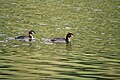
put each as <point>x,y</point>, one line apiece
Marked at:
<point>60,40</point>
<point>26,38</point>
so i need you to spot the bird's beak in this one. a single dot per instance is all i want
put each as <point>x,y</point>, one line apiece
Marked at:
<point>33,33</point>
<point>72,35</point>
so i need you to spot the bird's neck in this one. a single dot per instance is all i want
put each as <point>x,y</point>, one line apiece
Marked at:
<point>68,39</point>
<point>31,36</point>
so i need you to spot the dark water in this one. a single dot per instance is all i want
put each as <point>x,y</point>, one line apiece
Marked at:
<point>94,53</point>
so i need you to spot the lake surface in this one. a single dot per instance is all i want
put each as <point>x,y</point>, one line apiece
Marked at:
<point>94,53</point>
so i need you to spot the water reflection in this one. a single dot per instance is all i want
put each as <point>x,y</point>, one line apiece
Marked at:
<point>69,47</point>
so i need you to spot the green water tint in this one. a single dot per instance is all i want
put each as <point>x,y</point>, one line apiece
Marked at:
<point>94,53</point>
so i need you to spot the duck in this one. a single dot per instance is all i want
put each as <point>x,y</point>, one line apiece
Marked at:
<point>26,38</point>
<point>60,40</point>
